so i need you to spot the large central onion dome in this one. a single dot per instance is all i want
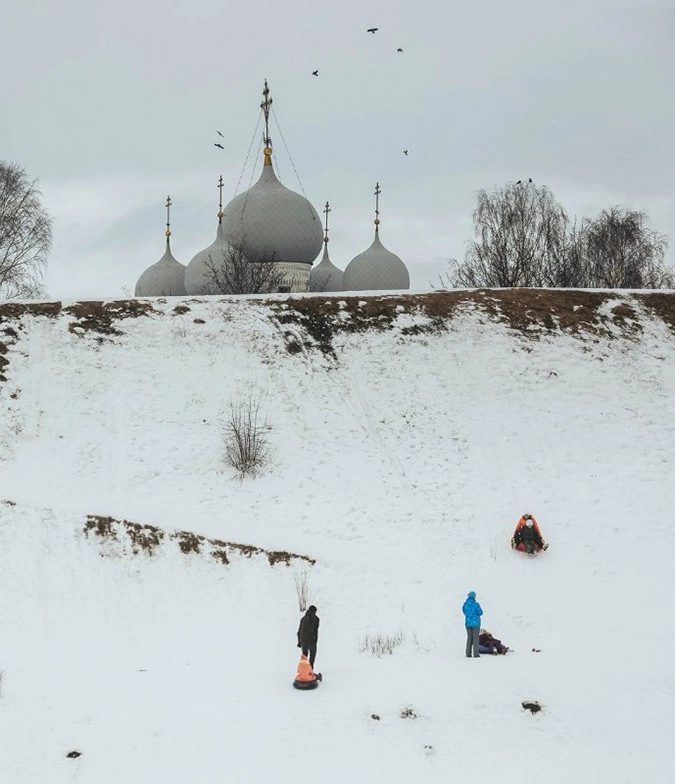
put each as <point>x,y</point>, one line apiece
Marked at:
<point>270,222</point>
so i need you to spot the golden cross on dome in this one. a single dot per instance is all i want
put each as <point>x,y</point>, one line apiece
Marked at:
<point>220,197</point>
<point>266,105</point>
<point>168,220</point>
<point>326,210</point>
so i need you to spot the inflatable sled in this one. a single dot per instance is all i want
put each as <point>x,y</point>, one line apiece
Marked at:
<point>521,548</point>
<point>308,685</point>
<point>527,537</point>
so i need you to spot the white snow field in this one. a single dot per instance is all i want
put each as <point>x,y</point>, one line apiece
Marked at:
<point>402,455</point>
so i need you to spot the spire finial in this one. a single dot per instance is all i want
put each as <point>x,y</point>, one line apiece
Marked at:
<point>326,210</point>
<point>266,105</point>
<point>220,198</point>
<point>377,205</point>
<point>168,218</point>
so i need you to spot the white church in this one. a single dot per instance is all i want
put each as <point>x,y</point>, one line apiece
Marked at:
<point>271,224</point>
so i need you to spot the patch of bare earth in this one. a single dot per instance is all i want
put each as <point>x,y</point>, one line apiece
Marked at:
<point>313,322</point>
<point>137,538</point>
<point>100,317</point>
<point>661,304</point>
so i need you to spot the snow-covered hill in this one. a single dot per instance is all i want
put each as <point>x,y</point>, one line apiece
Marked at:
<point>149,602</point>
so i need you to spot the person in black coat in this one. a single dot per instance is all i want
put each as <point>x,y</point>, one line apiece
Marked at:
<point>527,537</point>
<point>308,633</point>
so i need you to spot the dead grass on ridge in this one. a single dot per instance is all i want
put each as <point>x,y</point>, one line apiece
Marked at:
<point>313,323</point>
<point>140,538</point>
<point>529,312</point>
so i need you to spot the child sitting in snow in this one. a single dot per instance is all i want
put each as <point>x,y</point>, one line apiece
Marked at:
<point>305,672</point>
<point>306,678</point>
<point>489,644</point>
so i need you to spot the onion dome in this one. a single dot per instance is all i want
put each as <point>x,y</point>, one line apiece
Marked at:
<point>376,268</point>
<point>270,222</point>
<point>165,278</point>
<point>201,274</point>
<point>203,271</point>
<point>325,276</point>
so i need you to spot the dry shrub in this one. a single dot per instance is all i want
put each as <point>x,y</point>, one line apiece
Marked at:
<point>247,447</point>
<point>379,644</point>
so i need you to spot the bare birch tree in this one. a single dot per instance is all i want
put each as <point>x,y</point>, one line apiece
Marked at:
<point>521,233</point>
<point>619,250</point>
<point>524,239</point>
<point>25,235</point>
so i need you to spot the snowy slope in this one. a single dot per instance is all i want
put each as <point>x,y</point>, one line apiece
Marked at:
<point>407,440</point>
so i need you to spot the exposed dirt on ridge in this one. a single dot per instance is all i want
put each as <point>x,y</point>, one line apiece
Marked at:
<point>530,312</point>
<point>147,539</point>
<point>100,317</point>
<point>313,323</point>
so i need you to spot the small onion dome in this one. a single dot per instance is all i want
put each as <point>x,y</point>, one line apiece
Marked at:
<point>270,222</point>
<point>376,269</point>
<point>165,278</point>
<point>202,271</point>
<point>325,276</point>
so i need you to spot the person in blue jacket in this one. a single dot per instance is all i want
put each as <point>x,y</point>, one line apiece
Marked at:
<point>472,613</point>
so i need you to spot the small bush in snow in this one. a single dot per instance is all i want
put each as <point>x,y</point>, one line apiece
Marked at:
<point>379,644</point>
<point>302,589</point>
<point>408,713</point>
<point>246,444</point>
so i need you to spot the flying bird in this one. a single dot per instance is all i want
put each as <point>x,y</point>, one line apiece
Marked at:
<point>405,152</point>
<point>215,144</point>
<point>372,29</point>
<point>519,182</point>
<point>315,73</point>
<point>399,50</point>
<point>220,134</point>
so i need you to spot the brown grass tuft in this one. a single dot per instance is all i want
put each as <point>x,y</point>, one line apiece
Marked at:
<point>93,316</point>
<point>189,542</point>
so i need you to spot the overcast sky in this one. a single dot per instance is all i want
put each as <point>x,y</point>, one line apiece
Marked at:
<point>114,106</point>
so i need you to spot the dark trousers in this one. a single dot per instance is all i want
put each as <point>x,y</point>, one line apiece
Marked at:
<point>472,640</point>
<point>310,651</point>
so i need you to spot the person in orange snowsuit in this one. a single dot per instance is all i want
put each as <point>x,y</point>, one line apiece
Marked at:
<point>305,672</point>
<point>527,537</point>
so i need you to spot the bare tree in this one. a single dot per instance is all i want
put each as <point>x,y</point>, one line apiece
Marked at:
<point>236,274</point>
<point>524,238</point>
<point>302,589</point>
<point>617,249</point>
<point>25,235</point>
<point>247,446</point>
<point>521,235</point>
